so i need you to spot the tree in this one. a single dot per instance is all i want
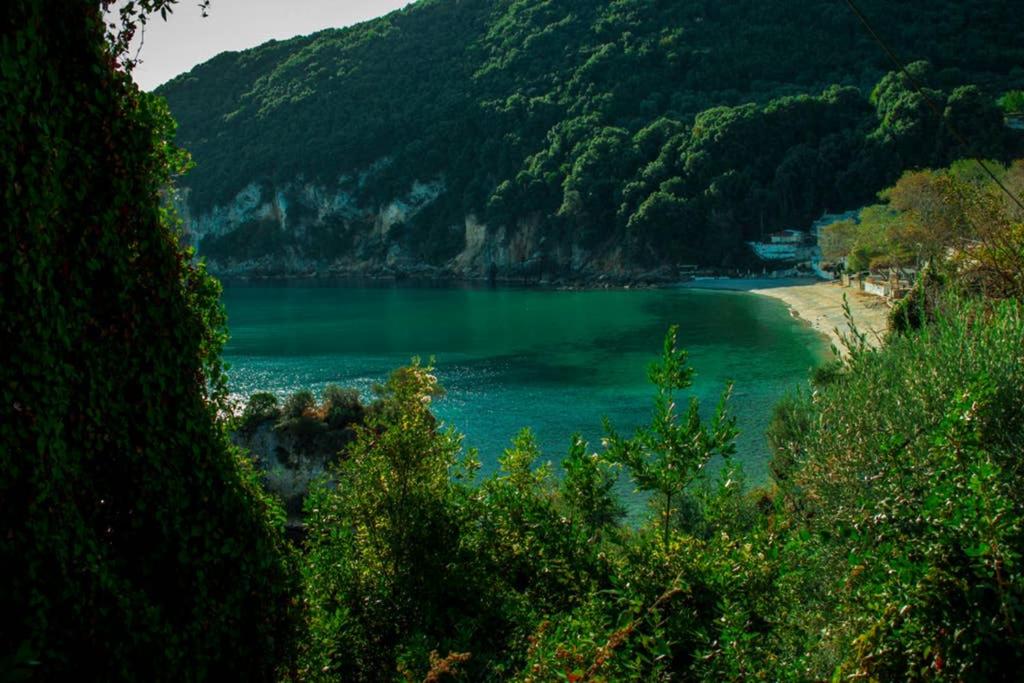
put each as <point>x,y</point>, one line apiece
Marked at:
<point>838,239</point>
<point>261,407</point>
<point>971,117</point>
<point>588,489</point>
<point>131,16</point>
<point>667,456</point>
<point>1012,102</point>
<point>135,542</point>
<point>341,407</point>
<point>300,404</point>
<point>991,257</point>
<point>928,224</point>
<point>382,539</point>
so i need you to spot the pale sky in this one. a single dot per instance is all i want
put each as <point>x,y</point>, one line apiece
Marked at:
<point>187,39</point>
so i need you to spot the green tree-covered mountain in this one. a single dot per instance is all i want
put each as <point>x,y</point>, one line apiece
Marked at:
<point>548,137</point>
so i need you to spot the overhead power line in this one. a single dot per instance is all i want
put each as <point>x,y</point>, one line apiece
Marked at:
<point>928,99</point>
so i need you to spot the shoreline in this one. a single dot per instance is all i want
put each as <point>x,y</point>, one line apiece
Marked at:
<point>457,282</point>
<point>817,303</point>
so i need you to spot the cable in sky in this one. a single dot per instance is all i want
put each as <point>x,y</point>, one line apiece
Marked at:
<point>931,103</point>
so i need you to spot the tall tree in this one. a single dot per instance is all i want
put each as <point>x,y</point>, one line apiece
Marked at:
<point>133,542</point>
<point>667,456</point>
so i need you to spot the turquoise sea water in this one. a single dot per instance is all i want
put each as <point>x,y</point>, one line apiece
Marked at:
<point>555,361</point>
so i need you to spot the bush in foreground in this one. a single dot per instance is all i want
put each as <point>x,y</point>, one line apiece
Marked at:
<point>904,507</point>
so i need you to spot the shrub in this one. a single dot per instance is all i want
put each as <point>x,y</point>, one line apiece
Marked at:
<point>379,571</point>
<point>341,407</point>
<point>906,508</point>
<point>672,453</point>
<point>918,306</point>
<point>791,420</point>
<point>300,404</point>
<point>262,407</point>
<point>587,490</point>
<point>826,373</point>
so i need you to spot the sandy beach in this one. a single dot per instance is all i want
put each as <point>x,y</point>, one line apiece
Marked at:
<point>818,303</point>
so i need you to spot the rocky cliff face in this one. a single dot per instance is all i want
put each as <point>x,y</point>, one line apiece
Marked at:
<point>292,456</point>
<point>303,229</point>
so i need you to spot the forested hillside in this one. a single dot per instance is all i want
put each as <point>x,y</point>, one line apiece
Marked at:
<point>546,136</point>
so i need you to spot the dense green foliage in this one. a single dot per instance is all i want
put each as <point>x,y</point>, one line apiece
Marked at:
<point>903,494</point>
<point>408,559</point>
<point>1012,102</point>
<point>661,131</point>
<point>890,547</point>
<point>136,544</point>
<point>134,541</point>
<point>379,565</point>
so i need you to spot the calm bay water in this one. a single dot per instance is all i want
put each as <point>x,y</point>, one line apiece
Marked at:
<point>555,361</point>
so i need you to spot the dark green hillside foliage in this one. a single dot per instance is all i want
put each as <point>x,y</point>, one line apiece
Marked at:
<point>133,542</point>
<point>675,128</point>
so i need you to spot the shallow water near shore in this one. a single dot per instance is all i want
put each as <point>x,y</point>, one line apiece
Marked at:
<point>554,361</point>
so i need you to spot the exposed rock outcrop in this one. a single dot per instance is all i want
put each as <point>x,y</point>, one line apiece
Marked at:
<point>291,455</point>
<point>303,229</point>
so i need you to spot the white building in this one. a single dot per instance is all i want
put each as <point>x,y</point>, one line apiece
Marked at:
<point>786,245</point>
<point>796,237</point>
